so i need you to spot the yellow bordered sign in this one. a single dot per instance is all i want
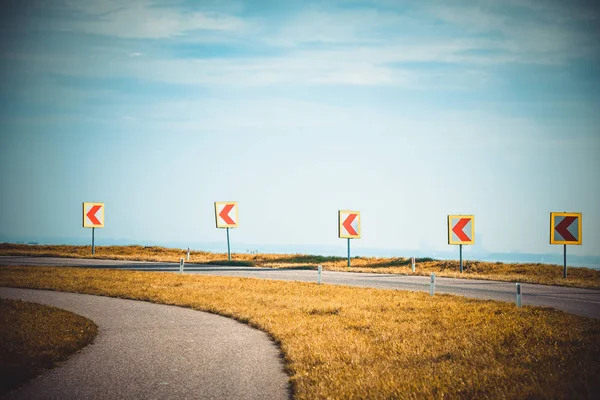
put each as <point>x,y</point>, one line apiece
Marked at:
<point>348,224</point>
<point>565,228</point>
<point>93,215</point>
<point>226,214</point>
<point>461,229</point>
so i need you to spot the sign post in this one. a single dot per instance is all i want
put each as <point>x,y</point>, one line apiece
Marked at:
<point>348,252</point>
<point>228,247</point>
<point>226,216</point>
<point>565,228</point>
<point>461,230</point>
<point>348,227</point>
<point>93,217</point>
<point>564,260</point>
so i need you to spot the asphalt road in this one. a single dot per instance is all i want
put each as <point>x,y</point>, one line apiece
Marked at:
<point>151,351</point>
<point>585,302</point>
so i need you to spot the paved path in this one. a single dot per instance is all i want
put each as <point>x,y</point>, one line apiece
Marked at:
<point>151,351</point>
<point>585,302</point>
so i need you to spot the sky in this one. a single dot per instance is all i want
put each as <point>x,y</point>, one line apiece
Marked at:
<point>406,111</point>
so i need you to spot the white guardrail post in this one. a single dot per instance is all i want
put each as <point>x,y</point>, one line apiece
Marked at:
<point>432,285</point>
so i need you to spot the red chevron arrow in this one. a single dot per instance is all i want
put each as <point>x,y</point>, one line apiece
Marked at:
<point>563,230</point>
<point>92,215</point>
<point>225,214</point>
<point>458,229</point>
<point>348,224</point>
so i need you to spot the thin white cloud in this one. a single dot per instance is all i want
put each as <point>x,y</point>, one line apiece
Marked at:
<point>326,27</point>
<point>486,33</point>
<point>367,65</point>
<point>140,19</point>
<point>535,32</point>
<point>316,47</point>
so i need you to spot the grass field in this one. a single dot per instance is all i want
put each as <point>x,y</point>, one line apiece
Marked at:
<point>34,337</point>
<point>525,273</point>
<point>341,342</point>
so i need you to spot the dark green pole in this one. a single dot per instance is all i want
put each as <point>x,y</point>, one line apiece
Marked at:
<point>228,247</point>
<point>565,262</point>
<point>348,252</point>
<point>460,253</point>
<point>93,247</point>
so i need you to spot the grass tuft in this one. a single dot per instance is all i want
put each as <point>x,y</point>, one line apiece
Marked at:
<point>34,337</point>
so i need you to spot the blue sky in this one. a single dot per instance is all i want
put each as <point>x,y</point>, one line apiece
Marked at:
<point>406,111</point>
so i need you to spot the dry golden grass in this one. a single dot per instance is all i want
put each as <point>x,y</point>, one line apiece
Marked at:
<point>526,273</point>
<point>34,337</point>
<point>341,342</point>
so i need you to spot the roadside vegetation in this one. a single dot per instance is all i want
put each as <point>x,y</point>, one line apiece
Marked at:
<point>518,272</point>
<point>345,342</point>
<point>34,337</point>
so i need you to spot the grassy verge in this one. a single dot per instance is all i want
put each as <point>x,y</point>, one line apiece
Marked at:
<point>35,337</point>
<point>342,342</point>
<point>530,273</point>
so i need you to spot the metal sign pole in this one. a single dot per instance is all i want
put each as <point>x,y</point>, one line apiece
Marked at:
<point>93,248</point>
<point>348,252</point>
<point>228,247</point>
<point>460,253</point>
<point>565,262</point>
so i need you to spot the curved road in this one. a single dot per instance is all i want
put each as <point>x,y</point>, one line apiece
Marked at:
<point>152,351</point>
<point>585,302</point>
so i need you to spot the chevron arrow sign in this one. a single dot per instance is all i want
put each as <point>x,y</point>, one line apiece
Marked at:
<point>349,224</point>
<point>461,229</point>
<point>93,215</point>
<point>565,228</point>
<point>226,214</point>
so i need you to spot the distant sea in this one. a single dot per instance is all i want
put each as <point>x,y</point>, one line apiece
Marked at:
<point>341,250</point>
